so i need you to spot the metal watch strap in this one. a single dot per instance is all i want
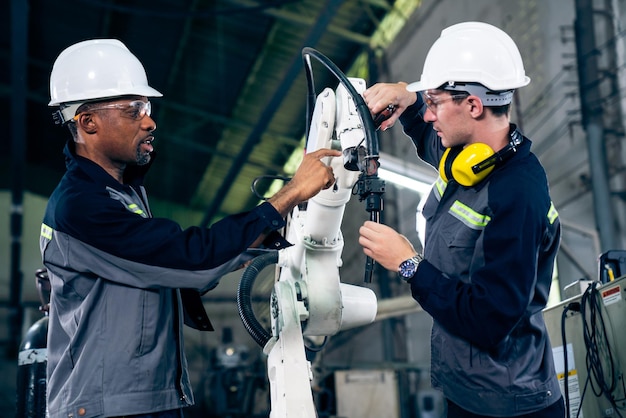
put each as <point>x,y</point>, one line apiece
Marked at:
<point>408,268</point>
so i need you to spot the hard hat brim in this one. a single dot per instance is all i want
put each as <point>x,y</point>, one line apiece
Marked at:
<point>146,91</point>
<point>419,86</point>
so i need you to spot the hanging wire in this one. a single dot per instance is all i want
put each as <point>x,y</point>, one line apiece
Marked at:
<point>599,359</point>
<point>255,182</point>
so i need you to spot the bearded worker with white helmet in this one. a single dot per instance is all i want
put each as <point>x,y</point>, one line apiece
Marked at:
<point>492,232</point>
<point>124,282</point>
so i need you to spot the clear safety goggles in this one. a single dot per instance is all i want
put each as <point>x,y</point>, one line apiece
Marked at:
<point>137,109</point>
<point>432,102</point>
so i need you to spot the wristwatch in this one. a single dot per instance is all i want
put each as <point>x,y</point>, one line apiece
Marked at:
<point>408,267</point>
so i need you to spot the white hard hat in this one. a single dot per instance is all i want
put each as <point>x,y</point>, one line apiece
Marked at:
<point>473,52</point>
<point>97,69</point>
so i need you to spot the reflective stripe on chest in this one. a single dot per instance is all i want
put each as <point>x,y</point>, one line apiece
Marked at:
<point>469,216</point>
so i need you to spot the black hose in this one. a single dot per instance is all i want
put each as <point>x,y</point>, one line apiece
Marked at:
<point>370,187</point>
<point>366,118</point>
<point>244,299</point>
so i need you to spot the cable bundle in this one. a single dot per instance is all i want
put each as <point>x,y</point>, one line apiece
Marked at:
<point>599,359</point>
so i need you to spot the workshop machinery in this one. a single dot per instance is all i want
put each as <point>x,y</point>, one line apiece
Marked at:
<point>588,340</point>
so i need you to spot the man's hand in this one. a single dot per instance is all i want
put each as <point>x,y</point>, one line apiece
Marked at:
<point>385,245</point>
<point>381,95</point>
<point>311,177</point>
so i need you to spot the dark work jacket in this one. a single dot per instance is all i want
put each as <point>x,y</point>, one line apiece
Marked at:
<point>115,342</point>
<point>489,255</point>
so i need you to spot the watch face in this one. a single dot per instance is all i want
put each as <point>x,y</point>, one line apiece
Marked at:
<point>408,268</point>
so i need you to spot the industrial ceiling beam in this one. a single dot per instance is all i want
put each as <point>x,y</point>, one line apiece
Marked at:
<point>6,91</point>
<point>313,37</point>
<point>225,121</point>
<point>300,19</point>
<point>183,40</point>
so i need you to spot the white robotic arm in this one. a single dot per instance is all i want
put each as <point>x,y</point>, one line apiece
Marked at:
<point>309,298</point>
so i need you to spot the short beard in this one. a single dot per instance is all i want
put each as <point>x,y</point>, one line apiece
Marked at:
<point>142,158</point>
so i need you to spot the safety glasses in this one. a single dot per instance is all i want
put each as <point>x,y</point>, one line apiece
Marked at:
<point>136,109</point>
<point>434,102</point>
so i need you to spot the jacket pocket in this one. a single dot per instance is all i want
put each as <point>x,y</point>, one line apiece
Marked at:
<point>151,307</point>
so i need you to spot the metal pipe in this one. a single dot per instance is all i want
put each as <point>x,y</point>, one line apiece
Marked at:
<point>19,48</point>
<point>592,118</point>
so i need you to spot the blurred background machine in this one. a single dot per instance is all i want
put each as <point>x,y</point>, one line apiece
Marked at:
<point>33,358</point>
<point>381,392</point>
<point>232,384</point>
<point>588,340</point>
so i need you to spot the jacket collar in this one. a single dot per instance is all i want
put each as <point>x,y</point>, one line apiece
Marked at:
<point>133,175</point>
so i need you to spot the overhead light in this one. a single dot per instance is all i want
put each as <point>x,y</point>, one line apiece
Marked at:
<point>406,175</point>
<point>404,181</point>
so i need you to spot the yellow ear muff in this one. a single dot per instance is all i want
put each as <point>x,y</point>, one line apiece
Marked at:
<point>457,163</point>
<point>443,172</point>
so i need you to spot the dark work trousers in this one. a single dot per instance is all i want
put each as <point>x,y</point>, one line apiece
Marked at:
<point>556,410</point>
<point>172,413</point>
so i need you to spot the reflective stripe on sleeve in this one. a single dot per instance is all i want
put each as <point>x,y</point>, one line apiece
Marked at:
<point>46,231</point>
<point>552,213</point>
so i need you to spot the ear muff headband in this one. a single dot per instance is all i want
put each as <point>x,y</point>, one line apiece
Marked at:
<point>500,156</point>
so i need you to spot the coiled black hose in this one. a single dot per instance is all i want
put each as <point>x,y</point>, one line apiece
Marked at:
<point>244,298</point>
